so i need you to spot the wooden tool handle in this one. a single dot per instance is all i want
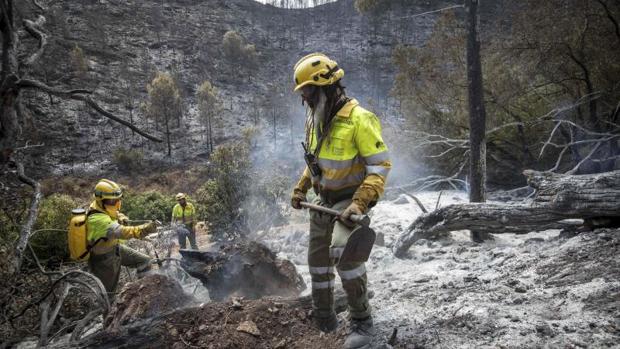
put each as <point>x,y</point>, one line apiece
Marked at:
<point>361,219</point>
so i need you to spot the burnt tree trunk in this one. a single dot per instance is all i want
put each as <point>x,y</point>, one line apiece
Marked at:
<point>477,114</point>
<point>558,197</point>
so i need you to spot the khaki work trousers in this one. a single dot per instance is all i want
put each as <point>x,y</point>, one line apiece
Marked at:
<point>327,241</point>
<point>107,266</point>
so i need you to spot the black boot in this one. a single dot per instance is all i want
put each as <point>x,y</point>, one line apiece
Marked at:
<point>360,334</point>
<point>326,324</point>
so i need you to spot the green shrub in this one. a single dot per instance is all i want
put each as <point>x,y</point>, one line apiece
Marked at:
<point>148,205</point>
<point>54,213</point>
<point>266,205</point>
<point>220,199</point>
<point>128,160</point>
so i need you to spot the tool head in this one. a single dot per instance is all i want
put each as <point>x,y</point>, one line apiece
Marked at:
<point>359,245</point>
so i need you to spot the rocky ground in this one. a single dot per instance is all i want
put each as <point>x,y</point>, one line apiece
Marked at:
<point>535,290</point>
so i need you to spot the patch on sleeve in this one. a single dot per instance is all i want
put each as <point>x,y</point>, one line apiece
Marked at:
<point>379,145</point>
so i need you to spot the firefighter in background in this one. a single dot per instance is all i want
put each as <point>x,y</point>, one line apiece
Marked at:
<point>106,226</point>
<point>183,216</point>
<point>352,165</point>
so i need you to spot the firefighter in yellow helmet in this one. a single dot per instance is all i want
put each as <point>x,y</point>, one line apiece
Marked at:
<point>183,216</point>
<point>349,174</point>
<point>106,225</point>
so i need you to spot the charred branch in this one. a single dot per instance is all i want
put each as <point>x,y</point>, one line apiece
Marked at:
<point>26,229</point>
<point>33,29</point>
<point>82,95</point>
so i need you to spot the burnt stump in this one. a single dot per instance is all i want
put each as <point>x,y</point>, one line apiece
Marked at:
<point>242,269</point>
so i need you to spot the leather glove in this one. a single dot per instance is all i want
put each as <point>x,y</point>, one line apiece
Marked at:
<point>122,219</point>
<point>147,228</point>
<point>297,197</point>
<point>352,209</point>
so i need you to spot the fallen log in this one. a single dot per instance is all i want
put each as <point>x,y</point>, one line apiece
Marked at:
<point>557,198</point>
<point>243,269</point>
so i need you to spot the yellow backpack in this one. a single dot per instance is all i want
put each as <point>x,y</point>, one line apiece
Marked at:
<point>77,236</point>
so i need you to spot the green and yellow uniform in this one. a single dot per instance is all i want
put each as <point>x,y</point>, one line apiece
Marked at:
<point>354,163</point>
<point>108,255</point>
<point>185,215</point>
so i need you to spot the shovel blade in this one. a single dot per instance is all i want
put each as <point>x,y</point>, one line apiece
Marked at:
<point>359,245</point>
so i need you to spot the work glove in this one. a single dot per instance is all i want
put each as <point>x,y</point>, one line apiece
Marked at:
<point>122,219</point>
<point>147,228</point>
<point>297,198</point>
<point>353,208</point>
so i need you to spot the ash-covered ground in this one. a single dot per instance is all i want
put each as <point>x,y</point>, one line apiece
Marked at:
<point>518,291</point>
<point>533,290</point>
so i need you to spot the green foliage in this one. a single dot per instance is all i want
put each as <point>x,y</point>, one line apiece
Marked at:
<point>221,198</point>
<point>164,103</point>
<point>431,82</point>
<point>208,106</point>
<point>268,199</point>
<point>208,100</point>
<point>544,63</point>
<point>54,213</point>
<point>237,51</point>
<point>128,160</point>
<point>148,205</point>
<point>78,61</point>
<point>364,6</point>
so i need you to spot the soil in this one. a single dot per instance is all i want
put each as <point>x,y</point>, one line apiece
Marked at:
<point>263,323</point>
<point>145,298</point>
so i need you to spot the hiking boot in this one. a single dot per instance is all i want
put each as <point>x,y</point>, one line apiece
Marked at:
<point>360,334</point>
<point>326,324</point>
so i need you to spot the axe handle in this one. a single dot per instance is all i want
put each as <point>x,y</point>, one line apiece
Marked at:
<point>361,219</point>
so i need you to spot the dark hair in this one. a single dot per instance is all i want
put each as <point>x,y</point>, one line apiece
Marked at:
<point>336,98</point>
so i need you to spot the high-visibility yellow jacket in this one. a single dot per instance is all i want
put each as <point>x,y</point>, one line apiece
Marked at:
<point>185,214</point>
<point>101,225</point>
<point>354,160</point>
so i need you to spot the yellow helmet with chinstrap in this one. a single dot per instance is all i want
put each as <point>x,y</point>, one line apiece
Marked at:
<point>106,190</point>
<point>316,69</point>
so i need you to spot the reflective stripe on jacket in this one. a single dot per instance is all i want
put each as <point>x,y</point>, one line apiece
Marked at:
<point>100,225</point>
<point>353,156</point>
<point>183,214</point>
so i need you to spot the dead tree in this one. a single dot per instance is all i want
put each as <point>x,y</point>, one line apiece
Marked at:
<point>557,197</point>
<point>477,114</point>
<point>16,77</point>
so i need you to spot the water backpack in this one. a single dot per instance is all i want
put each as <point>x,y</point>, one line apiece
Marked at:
<point>77,235</point>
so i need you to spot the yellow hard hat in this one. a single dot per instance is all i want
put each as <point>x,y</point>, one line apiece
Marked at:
<point>180,196</point>
<point>316,69</point>
<point>106,189</point>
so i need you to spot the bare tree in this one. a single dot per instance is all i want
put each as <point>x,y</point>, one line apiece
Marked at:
<point>477,115</point>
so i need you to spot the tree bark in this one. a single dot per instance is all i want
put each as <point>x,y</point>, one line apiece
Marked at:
<point>477,115</point>
<point>33,211</point>
<point>558,197</point>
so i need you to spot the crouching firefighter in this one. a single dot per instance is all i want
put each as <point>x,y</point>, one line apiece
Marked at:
<point>347,165</point>
<point>105,225</point>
